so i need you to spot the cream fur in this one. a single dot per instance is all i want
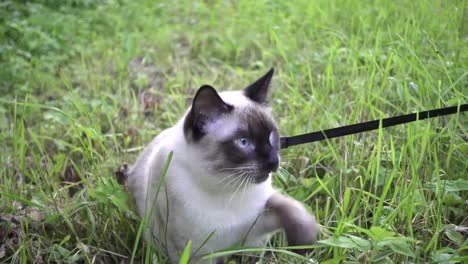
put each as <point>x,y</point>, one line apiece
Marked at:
<point>192,202</point>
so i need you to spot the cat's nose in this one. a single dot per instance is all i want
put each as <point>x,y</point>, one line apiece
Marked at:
<point>272,163</point>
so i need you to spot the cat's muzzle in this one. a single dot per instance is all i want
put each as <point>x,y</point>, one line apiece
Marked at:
<point>271,165</point>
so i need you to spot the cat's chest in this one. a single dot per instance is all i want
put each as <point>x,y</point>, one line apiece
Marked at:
<point>226,219</point>
<point>224,210</point>
<point>215,225</point>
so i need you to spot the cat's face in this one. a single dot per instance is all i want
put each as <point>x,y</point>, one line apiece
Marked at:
<point>235,132</point>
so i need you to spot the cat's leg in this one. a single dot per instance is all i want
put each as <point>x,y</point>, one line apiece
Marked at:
<point>172,253</point>
<point>282,212</point>
<point>174,257</point>
<point>299,225</point>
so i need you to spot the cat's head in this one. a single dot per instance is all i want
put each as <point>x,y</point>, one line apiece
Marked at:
<point>234,131</point>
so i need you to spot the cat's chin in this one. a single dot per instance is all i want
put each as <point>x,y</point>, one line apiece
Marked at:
<point>261,177</point>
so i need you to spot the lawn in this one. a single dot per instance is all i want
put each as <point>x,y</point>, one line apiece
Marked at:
<point>85,85</point>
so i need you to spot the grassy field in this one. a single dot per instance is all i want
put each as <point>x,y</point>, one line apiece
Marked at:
<point>84,85</point>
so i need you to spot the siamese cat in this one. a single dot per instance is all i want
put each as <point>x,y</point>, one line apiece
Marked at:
<point>217,189</point>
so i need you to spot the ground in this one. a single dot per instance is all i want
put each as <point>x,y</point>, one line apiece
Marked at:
<point>84,85</point>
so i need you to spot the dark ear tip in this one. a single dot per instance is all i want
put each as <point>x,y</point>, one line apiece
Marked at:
<point>269,73</point>
<point>205,87</point>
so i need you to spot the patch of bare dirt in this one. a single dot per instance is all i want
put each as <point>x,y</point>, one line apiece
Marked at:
<point>71,178</point>
<point>121,174</point>
<point>11,229</point>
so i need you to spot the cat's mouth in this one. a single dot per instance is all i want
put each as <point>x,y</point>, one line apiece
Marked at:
<point>261,177</point>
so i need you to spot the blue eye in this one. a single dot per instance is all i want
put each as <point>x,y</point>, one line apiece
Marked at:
<point>242,142</point>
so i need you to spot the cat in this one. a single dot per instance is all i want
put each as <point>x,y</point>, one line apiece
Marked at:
<point>217,189</point>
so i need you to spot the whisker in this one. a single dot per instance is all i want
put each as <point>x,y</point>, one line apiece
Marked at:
<point>283,170</point>
<point>235,181</point>
<point>229,176</point>
<point>234,194</point>
<point>247,184</point>
<point>232,180</point>
<point>247,167</point>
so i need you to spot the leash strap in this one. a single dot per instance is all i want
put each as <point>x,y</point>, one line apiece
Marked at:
<point>368,126</point>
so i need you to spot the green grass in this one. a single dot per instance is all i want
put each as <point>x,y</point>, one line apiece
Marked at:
<point>86,84</point>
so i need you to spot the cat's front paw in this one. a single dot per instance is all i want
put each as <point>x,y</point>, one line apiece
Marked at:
<point>300,226</point>
<point>302,231</point>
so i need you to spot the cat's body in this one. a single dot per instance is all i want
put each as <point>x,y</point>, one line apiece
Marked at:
<point>217,191</point>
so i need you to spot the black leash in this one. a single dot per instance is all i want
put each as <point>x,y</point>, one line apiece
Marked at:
<point>368,126</point>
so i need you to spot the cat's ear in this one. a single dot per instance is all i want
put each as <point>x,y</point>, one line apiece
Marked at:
<point>207,107</point>
<point>258,91</point>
